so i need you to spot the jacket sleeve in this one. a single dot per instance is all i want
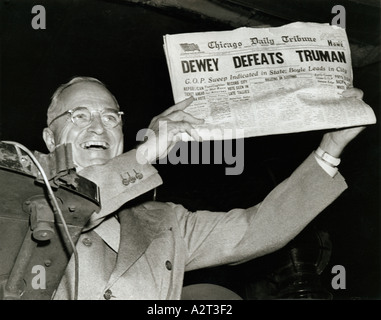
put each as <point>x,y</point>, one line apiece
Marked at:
<point>216,238</point>
<point>120,180</point>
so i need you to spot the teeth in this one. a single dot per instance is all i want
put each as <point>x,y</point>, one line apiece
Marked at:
<point>94,144</point>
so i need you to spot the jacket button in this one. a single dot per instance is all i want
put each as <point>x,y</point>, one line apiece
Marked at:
<point>108,294</point>
<point>168,265</point>
<point>87,242</point>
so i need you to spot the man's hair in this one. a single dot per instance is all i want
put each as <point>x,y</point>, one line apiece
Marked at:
<point>54,107</point>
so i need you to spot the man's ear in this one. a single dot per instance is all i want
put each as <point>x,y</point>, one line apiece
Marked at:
<point>48,136</point>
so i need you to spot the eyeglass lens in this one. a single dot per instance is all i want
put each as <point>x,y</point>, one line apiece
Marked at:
<point>83,117</point>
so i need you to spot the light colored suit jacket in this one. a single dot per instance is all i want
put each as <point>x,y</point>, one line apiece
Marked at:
<point>160,241</point>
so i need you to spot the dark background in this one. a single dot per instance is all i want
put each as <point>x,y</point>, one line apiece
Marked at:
<point>120,43</point>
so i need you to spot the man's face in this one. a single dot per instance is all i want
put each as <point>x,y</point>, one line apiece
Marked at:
<point>94,143</point>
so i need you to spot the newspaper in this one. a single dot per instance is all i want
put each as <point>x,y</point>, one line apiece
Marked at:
<point>263,81</point>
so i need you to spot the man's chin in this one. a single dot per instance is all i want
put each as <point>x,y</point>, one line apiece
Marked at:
<point>90,162</point>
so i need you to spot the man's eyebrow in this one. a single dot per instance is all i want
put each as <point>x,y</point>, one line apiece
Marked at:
<point>102,108</point>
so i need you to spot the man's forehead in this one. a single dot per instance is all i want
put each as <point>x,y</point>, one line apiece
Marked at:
<point>87,94</point>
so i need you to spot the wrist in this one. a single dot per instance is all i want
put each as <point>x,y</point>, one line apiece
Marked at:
<point>329,169</point>
<point>142,156</point>
<point>332,148</point>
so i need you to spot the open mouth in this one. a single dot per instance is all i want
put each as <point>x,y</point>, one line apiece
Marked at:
<point>95,145</point>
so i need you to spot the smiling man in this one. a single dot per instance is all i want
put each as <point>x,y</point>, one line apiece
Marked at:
<point>95,126</point>
<point>142,252</point>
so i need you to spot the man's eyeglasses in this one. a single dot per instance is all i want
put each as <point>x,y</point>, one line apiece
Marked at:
<point>82,117</point>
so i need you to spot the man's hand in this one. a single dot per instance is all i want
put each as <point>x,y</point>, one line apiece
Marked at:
<point>165,131</point>
<point>334,142</point>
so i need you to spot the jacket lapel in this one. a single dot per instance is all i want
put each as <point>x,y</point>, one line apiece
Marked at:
<point>138,228</point>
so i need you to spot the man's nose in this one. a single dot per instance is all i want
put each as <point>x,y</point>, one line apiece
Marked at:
<point>96,125</point>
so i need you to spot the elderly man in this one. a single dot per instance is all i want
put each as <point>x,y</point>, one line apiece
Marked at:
<point>142,252</point>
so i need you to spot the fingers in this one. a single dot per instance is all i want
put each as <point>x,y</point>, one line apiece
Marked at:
<point>169,134</point>
<point>174,128</point>
<point>183,116</point>
<point>179,118</point>
<point>178,106</point>
<point>334,142</point>
<point>176,113</point>
<point>354,131</point>
<point>353,93</point>
<point>168,126</point>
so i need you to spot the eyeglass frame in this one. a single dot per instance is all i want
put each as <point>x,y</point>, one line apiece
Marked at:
<point>71,111</point>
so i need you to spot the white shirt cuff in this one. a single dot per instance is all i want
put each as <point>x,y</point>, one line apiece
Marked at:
<point>332,171</point>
